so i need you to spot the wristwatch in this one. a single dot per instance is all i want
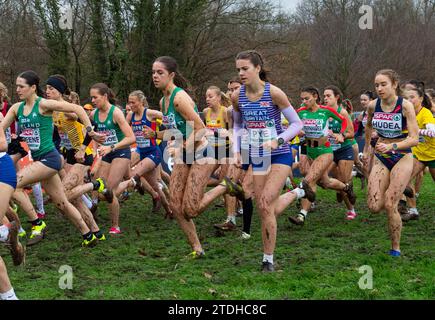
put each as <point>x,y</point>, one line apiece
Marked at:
<point>281,141</point>
<point>395,147</point>
<point>89,129</point>
<point>112,147</point>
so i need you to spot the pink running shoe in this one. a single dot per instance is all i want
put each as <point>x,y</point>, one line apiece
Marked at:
<point>351,215</point>
<point>116,230</point>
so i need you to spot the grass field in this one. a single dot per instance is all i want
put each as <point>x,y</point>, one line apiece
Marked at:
<point>319,261</point>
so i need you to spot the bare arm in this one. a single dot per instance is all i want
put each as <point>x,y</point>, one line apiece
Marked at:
<point>369,126</point>
<point>349,133</point>
<point>154,114</point>
<point>129,139</point>
<point>10,117</point>
<point>412,139</point>
<point>48,106</point>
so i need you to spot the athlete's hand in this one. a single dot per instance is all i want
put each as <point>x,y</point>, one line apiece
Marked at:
<point>105,150</point>
<point>148,133</point>
<point>338,137</point>
<point>375,135</point>
<point>270,145</point>
<point>99,138</point>
<point>237,158</point>
<point>80,156</point>
<point>365,159</point>
<point>383,147</point>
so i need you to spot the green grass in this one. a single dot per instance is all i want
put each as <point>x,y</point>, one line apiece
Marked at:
<point>319,261</point>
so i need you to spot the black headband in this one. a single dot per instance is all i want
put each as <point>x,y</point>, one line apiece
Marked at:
<point>56,83</point>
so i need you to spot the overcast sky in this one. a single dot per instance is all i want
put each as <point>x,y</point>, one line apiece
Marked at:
<point>288,4</point>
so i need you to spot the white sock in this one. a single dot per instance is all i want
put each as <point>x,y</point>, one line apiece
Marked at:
<point>4,233</point>
<point>37,193</point>
<point>10,295</point>
<point>304,213</point>
<point>300,193</point>
<point>232,218</point>
<point>352,210</point>
<point>95,201</point>
<point>268,258</point>
<point>87,201</point>
<point>21,230</point>
<point>413,210</point>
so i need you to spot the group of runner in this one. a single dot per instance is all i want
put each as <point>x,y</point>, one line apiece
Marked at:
<point>243,149</point>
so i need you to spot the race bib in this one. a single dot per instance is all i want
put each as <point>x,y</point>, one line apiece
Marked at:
<point>65,141</point>
<point>388,125</point>
<point>111,137</point>
<point>141,141</point>
<point>32,138</point>
<point>261,132</point>
<point>315,128</point>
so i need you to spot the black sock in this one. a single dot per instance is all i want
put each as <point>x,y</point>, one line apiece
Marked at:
<point>248,208</point>
<point>88,236</point>
<point>36,222</point>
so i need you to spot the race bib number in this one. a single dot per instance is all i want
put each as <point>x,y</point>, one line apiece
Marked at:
<point>388,125</point>
<point>261,132</point>
<point>32,138</point>
<point>141,141</point>
<point>315,128</point>
<point>111,137</point>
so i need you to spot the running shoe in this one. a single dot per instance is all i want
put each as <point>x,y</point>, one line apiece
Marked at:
<point>13,243</point>
<point>228,225</point>
<point>102,188</point>
<point>394,253</point>
<point>409,216</point>
<point>233,189</point>
<point>138,185</point>
<point>245,236</point>
<point>21,232</point>
<point>298,220</point>
<point>310,195</point>
<point>267,267</point>
<point>90,243</point>
<point>38,233</point>
<point>116,230</point>
<point>100,237</point>
<point>350,193</point>
<point>351,215</point>
<point>196,254</point>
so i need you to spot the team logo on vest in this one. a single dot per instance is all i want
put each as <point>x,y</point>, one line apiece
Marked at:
<point>265,104</point>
